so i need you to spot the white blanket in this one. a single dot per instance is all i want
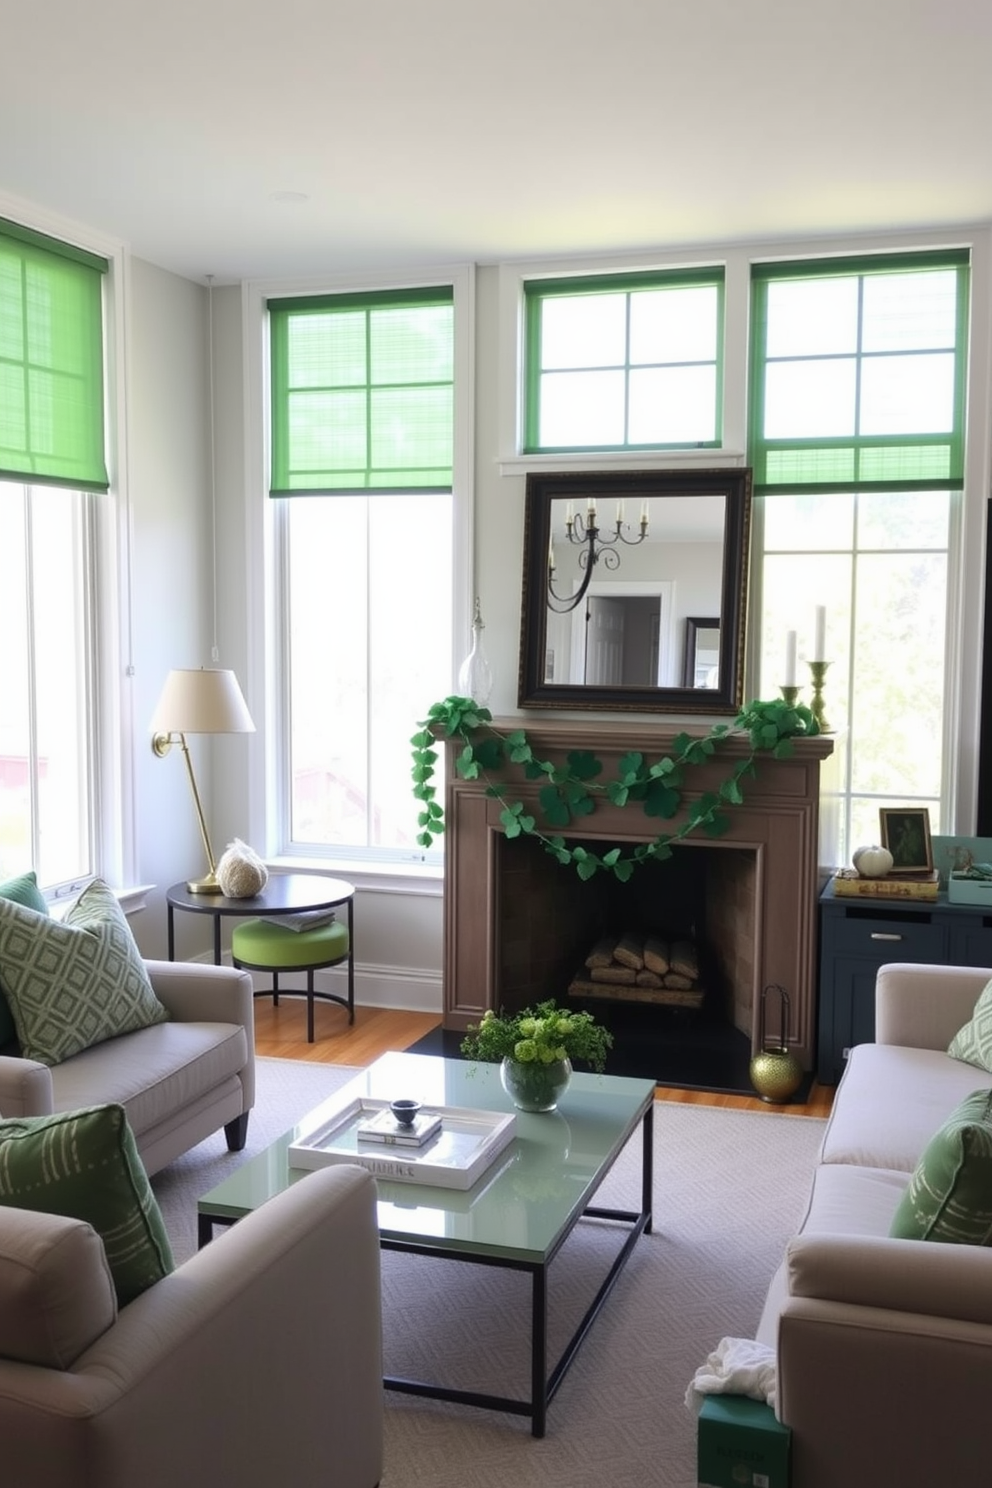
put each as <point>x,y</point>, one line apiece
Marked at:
<point>737,1366</point>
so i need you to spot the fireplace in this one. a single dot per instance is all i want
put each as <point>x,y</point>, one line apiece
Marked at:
<point>519,926</point>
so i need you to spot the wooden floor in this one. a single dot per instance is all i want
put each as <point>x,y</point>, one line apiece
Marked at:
<point>280,1033</point>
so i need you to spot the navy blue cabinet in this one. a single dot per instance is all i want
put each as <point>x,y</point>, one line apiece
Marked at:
<point>857,936</point>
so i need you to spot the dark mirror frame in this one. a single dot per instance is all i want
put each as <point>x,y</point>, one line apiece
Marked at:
<point>635,486</point>
<point>694,626</point>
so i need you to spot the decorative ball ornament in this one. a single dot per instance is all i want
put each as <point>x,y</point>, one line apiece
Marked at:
<point>873,862</point>
<point>241,872</point>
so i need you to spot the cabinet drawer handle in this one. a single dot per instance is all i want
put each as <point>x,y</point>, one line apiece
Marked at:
<point>883,935</point>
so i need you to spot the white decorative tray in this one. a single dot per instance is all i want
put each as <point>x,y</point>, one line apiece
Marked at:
<point>466,1145</point>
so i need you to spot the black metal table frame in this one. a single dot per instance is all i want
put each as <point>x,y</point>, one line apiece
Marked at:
<point>544,1384</point>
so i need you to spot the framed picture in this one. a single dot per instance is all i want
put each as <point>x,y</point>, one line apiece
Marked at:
<point>905,832</point>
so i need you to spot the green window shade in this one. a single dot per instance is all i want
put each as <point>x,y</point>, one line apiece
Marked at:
<point>362,392</point>
<point>51,361</point>
<point>858,373</point>
<point>624,361</point>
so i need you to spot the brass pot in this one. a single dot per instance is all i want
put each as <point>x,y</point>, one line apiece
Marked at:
<point>776,1073</point>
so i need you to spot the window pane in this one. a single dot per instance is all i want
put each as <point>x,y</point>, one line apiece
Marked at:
<point>904,519</point>
<point>15,755</point>
<point>46,712</point>
<point>897,700</point>
<point>327,350</point>
<point>60,685</point>
<point>812,317</point>
<point>412,344</point>
<point>674,325</point>
<point>584,331</point>
<point>582,408</point>
<point>808,400</point>
<point>370,649</point>
<point>808,523</point>
<point>672,405</point>
<point>909,311</point>
<point>907,395</point>
<point>326,597</point>
<point>793,585</point>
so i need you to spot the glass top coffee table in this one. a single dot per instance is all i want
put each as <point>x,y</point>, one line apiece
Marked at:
<point>490,1223</point>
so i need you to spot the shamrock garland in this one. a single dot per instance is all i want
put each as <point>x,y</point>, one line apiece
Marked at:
<point>570,791</point>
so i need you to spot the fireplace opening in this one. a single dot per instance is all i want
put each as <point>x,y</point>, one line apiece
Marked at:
<point>549,924</point>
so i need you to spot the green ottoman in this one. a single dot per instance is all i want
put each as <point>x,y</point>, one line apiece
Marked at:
<point>261,945</point>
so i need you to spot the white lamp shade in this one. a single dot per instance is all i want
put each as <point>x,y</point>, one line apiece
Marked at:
<point>201,701</point>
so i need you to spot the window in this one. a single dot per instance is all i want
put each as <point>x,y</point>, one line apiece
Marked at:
<point>857,442</point>
<point>363,421</point>
<point>52,461</point>
<point>624,361</point>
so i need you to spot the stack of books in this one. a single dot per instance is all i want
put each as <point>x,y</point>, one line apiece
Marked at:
<point>384,1128</point>
<point>848,882</point>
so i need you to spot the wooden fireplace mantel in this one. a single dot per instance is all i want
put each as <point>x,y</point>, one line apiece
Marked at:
<point>778,823</point>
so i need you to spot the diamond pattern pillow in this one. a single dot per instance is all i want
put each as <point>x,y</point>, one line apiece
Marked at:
<point>972,1044</point>
<point>75,982</point>
<point>22,890</point>
<point>949,1197</point>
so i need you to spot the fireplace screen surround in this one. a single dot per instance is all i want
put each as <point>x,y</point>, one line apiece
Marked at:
<point>518,924</point>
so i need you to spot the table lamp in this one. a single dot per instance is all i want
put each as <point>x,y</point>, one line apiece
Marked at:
<point>200,701</point>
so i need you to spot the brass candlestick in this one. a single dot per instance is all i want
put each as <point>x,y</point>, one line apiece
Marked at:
<point>791,694</point>
<point>818,672</point>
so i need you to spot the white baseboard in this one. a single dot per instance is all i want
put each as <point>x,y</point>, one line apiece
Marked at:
<point>408,990</point>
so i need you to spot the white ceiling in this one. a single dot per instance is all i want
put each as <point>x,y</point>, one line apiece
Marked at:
<point>446,131</point>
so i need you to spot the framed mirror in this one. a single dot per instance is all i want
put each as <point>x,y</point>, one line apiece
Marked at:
<point>701,658</point>
<point>634,590</point>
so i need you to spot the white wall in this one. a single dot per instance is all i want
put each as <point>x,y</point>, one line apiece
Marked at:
<point>169,490</point>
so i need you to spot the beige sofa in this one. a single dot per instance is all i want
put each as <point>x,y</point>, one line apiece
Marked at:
<point>884,1346</point>
<point>257,1363</point>
<point>178,1081</point>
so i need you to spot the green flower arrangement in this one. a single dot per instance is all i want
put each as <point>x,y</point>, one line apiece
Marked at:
<point>544,1034</point>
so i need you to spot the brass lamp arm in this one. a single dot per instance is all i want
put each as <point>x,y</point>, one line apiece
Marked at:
<point>161,744</point>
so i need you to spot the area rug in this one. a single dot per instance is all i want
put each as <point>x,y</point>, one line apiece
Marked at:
<point>730,1188</point>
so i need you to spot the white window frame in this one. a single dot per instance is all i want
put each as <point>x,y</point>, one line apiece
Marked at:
<point>107,579</point>
<point>268,812</point>
<point>966,579</point>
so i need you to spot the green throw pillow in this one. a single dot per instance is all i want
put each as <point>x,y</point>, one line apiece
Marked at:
<point>75,982</point>
<point>973,1043</point>
<point>85,1165</point>
<point>21,890</point>
<point>950,1194</point>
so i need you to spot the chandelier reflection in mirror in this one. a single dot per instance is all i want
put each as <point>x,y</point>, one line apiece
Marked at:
<point>596,548</point>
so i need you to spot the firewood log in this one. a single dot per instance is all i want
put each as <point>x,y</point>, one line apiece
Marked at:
<point>602,952</point>
<point>629,951</point>
<point>656,955</point>
<point>684,959</point>
<point>619,975</point>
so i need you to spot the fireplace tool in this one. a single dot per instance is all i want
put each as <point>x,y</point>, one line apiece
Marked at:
<point>776,1073</point>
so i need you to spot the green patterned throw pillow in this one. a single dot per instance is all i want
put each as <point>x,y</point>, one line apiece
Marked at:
<point>75,982</point>
<point>85,1165</point>
<point>20,890</point>
<point>973,1043</point>
<point>950,1194</point>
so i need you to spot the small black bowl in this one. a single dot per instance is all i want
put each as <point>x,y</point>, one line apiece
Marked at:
<point>405,1111</point>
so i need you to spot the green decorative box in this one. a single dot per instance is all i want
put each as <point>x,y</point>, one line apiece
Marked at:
<point>741,1444</point>
<point>964,890</point>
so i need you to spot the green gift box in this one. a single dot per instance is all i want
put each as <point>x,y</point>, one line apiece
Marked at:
<point>741,1445</point>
